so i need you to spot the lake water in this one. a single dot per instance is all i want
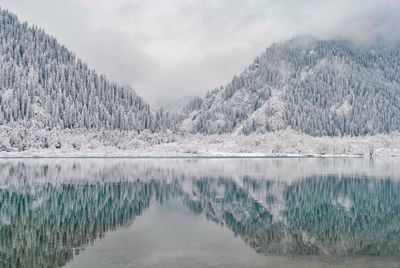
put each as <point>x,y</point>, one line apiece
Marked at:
<point>199,213</point>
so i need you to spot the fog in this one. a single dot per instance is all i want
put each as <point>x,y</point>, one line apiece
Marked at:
<point>170,49</point>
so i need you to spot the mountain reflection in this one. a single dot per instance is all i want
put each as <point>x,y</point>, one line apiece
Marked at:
<point>44,225</point>
<point>46,216</point>
<point>314,216</point>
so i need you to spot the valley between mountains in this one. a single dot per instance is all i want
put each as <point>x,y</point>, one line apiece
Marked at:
<point>301,97</point>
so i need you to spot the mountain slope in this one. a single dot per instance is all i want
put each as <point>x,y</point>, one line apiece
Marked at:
<point>316,87</point>
<point>320,88</point>
<point>44,85</point>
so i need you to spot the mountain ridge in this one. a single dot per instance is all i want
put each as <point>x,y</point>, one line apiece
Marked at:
<point>44,85</point>
<point>348,89</point>
<point>315,87</point>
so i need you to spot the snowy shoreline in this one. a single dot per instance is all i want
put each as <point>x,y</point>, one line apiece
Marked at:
<point>280,144</point>
<point>31,155</point>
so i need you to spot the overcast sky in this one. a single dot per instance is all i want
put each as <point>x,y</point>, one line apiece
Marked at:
<point>167,49</point>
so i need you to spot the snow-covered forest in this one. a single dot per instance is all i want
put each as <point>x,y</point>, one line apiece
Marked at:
<point>321,88</point>
<point>304,88</point>
<point>45,85</point>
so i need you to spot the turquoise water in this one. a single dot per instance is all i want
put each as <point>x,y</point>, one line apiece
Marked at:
<point>199,213</point>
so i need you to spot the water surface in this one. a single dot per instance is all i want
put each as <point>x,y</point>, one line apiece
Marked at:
<point>199,213</point>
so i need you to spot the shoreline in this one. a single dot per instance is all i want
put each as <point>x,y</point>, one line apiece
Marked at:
<point>188,156</point>
<point>282,144</point>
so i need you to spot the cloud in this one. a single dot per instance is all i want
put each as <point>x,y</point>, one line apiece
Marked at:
<point>174,48</point>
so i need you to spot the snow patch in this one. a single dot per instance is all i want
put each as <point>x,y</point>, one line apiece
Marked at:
<point>345,108</point>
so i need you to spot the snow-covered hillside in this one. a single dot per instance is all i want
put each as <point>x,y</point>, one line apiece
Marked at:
<point>52,103</point>
<point>44,85</point>
<point>321,88</point>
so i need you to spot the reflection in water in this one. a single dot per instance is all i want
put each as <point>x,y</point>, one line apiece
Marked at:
<point>316,216</point>
<point>51,211</point>
<point>47,224</point>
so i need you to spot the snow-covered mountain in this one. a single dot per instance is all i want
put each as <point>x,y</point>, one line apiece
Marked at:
<point>50,99</point>
<point>173,106</point>
<point>44,85</point>
<point>316,87</point>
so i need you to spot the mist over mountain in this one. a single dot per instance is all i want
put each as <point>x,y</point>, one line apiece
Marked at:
<point>313,86</point>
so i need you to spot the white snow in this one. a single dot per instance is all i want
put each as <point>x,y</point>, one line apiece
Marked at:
<point>345,108</point>
<point>286,143</point>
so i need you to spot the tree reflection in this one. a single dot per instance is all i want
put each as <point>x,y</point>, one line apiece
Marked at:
<point>332,216</point>
<point>44,223</point>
